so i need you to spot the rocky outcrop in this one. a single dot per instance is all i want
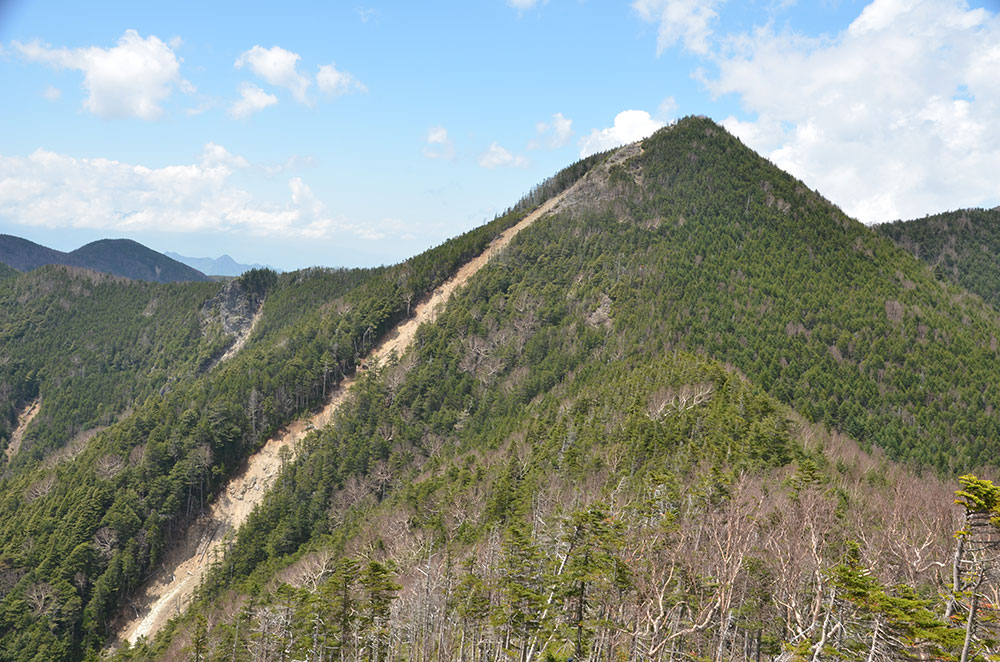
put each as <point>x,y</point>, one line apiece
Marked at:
<point>233,309</point>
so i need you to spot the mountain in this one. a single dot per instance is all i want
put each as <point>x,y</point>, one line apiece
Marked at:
<point>673,404</point>
<point>121,257</point>
<point>219,266</point>
<point>640,432</point>
<point>25,255</point>
<point>124,257</point>
<point>961,246</point>
<point>131,464</point>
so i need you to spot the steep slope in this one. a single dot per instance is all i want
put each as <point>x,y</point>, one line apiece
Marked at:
<point>961,246</point>
<point>90,346</point>
<point>8,272</point>
<point>124,257</point>
<point>556,469</point>
<point>83,530</point>
<point>592,452</point>
<point>180,576</point>
<point>120,257</point>
<point>714,249</point>
<point>25,255</point>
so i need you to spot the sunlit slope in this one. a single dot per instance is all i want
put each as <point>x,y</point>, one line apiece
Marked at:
<point>580,457</point>
<point>87,527</point>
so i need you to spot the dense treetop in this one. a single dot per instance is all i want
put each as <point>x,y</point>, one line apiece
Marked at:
<point>638,402</point>
<point>563,453</point>
<point>960,246</point>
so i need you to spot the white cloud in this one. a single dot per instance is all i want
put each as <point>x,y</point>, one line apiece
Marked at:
<point>130,79</point>
<point>687,21</point>
<point>439,145</point>
<point>53,190</point>
<point>496,156</point>
<point>629,126</point>
<point>278,67</point>
<point>52,93</point>
<point>335,83</point>
<point>554,134</point>
<point>252,99</point>
<point>896,117</point>
<point>522,5</point>
<point>667,110</point>
<point>214,155</point>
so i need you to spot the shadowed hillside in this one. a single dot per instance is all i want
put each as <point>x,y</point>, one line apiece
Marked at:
<point>961,246</point>
<point>120,257</point>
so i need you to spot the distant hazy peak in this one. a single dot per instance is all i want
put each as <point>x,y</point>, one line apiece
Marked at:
<point>223,265</point>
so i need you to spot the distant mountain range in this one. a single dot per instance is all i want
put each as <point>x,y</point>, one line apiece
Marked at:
<point>219,266</point>
<point>121,257</point>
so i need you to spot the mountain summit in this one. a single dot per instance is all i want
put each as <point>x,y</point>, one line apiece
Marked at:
<point>223,265</point>
<point>673,404</point>
<point>121,257</point>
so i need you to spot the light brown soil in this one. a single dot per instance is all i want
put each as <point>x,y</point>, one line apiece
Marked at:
<point>168,591</point>
<point>23,420</point>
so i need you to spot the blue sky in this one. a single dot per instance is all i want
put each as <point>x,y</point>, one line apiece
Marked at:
<point>343,133</point>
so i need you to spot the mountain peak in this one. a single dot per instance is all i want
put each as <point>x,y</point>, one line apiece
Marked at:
<point>121,257</point>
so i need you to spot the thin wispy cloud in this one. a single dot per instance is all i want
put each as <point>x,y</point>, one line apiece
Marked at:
<point>438,145</point>
<point>552,134</point>
<point>499,157</point>
<point>252,99</point>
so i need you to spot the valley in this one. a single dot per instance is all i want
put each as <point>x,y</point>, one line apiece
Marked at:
<point>169,591</point>
<point>671,405</point>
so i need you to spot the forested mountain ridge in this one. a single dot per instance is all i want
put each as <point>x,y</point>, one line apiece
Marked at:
<point>79,530</point>
<point>623,439</point>
<point>120,257</point>
<point>90,345</point>
<point>593,452</point>
<point>962,246</point>
<point>737,259</point>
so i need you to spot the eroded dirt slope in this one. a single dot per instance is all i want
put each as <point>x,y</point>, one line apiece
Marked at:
<point>170,588</point>
<point>23,420</point>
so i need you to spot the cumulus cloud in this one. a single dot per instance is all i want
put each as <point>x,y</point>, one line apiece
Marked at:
<point>439,145</point>
<point>895,117</point>
<point>687,21</point>
<point>552,134</point>
<point>278,67</point>
<point>131,79</point>
<point>629,126</point>
<point>54,190</point>
<point>333,82</point>
<point>497,157</point>
<point>52,93</point>
<point>252,99</point>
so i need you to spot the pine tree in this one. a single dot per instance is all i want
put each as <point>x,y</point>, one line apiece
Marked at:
<point>380,591</point>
